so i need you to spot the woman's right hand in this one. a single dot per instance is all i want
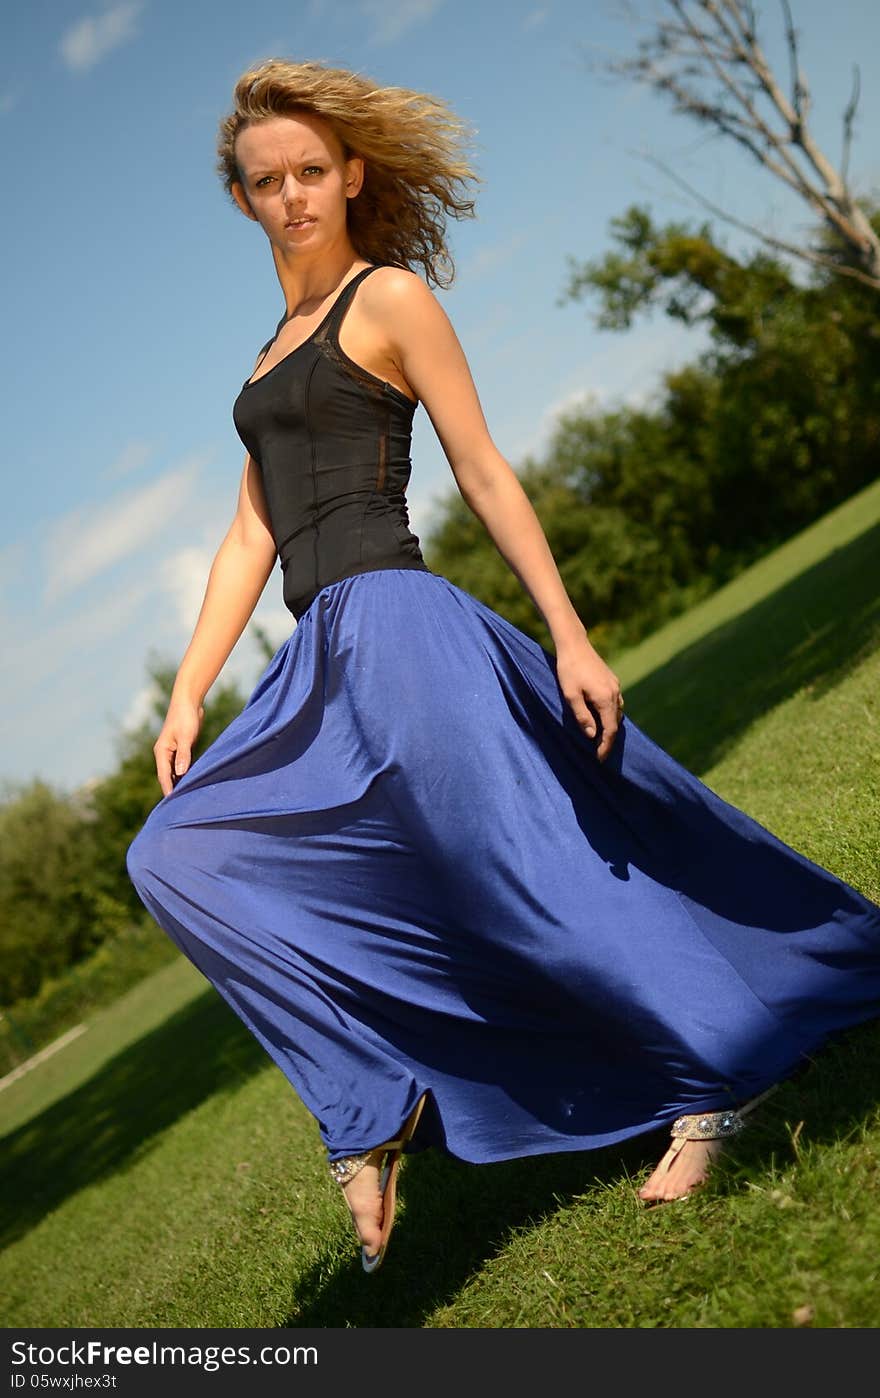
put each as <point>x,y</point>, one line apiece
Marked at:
<point>179,733</point>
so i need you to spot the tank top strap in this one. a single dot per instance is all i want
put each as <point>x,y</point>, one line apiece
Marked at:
<point>332,320</point>
<point>340,305</point>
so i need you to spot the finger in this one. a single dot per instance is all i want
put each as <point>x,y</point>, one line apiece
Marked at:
<point>181,762</point>
<point>606,745</point>
<point>610,716</point>
<point>163,758</point>
<point>583,714</point>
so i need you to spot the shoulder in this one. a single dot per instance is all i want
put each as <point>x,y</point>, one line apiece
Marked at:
<point>401,305</point>
<point>396,289</point>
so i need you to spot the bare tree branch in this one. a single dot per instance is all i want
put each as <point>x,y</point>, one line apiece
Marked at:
<point>797,179</point>
<point>835,204</point>
<point>717,41</point>
<point>800,95</point>
<point>747,25</point>
<point>848,119</point>
<point>808,254</point>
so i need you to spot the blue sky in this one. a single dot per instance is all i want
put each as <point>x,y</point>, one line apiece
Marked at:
<point>136,297</point>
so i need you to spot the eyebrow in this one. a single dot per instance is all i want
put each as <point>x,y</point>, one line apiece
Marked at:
<point>306,160</point>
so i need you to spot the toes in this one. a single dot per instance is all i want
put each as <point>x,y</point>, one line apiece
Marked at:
<point>366,1210</point>
<point>369,1231</point>
<point>682,1170</point>
<point>665,1196</point>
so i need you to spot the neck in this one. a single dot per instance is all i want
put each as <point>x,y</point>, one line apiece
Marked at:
<point>307,283</point>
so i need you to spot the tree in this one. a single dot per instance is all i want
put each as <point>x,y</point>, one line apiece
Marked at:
<point>266,645</point>
<point>121,802</point>
<point>64,885</point>
<point>776,422</point>
<point>49,911</point>
<point>796,425</point>
<point>707,57</point>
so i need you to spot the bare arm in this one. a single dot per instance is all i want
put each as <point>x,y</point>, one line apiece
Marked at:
<point>236,581</point>
<point>424,345</point>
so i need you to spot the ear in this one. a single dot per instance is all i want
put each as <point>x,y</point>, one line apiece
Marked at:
<point>241,200</point>
<point>354,176</point>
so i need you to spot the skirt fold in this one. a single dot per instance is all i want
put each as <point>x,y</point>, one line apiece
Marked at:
<point>404,868</point>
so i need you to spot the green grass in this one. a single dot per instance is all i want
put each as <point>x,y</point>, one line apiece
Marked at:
<point>81,989</point>
<point>769,690</point>
<point>160,1172</point>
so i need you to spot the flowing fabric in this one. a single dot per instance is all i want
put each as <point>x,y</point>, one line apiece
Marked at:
<point>405,869</point>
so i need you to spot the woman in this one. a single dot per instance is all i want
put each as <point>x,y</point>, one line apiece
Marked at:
<point>459,900</point>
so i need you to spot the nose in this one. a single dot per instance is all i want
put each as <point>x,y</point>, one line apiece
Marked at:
<point>290,190</point>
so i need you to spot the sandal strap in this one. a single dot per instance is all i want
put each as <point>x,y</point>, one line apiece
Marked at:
<point>345,1169</point>
<point>708,1126</point>
<point>348,1166</point>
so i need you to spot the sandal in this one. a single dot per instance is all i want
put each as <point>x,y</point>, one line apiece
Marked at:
<point>705,1126</point>
<point>389,1162</point>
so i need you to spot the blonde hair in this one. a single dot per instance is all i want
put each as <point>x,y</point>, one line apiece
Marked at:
<point>411,143</point>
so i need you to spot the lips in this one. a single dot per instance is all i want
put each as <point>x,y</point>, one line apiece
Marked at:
<point>299,223</point>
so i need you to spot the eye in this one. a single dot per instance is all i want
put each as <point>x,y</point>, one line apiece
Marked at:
<point>263,178</point>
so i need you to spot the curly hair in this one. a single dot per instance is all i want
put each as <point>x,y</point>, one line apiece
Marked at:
<point>412,146</point>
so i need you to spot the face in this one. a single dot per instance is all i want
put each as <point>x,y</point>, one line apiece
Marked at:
<point>292,167</point>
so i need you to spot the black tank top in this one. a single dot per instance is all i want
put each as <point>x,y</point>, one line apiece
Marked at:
<point>332,442</point>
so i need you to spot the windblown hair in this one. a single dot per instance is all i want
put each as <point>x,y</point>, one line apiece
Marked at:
<point>415,165</point>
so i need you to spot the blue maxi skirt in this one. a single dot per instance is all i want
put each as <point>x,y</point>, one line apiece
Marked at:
<point>405,869</point>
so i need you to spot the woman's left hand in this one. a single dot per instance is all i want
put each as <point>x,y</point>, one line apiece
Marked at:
<point>592,691</point>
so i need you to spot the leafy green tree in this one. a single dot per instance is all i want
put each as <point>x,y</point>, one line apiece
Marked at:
<point>121,802</point>
<point>646,510</point>
<point>64,886</point>
<point>49,912</point>
<point>795,419</point>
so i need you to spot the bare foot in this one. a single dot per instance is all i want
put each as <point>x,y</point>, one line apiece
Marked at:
<point>365,1202</point>
<point>683,1168</point>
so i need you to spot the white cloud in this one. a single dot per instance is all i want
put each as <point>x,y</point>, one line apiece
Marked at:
<point>184,576</point>
<point>492,256</point>
<point>389,19</point>
<point>13,563</point>
<point>625,371</point>
<point>272,615</point>
<point>476,336</point>
<point>578,398</point>
<point>42,654</point>
<point>431,482</point>
<point>87,41</point>
<point>78,667</point>
<point>86,541</point>
<point>142,706</point>
<point>133,456</point>
<point>536,17</point>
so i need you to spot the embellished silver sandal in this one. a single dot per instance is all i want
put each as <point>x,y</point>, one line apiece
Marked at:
<point>387,1157</point>
<point>706,1126</point>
